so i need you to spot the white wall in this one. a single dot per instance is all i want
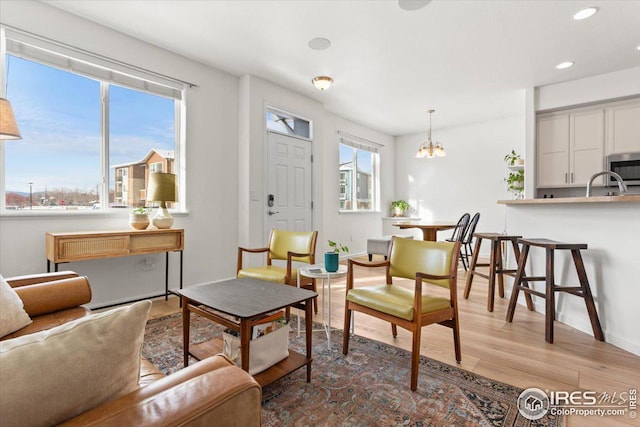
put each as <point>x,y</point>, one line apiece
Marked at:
<point>353,228</point>
<point>350,229</point>
<point>469,179</point>
<point>598,88</point>
<point>211,173</point>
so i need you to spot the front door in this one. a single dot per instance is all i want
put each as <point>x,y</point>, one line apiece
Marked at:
<point>288,183</point>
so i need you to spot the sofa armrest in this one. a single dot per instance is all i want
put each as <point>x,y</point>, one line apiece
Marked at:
<point>57,295</point>
<point>212,392</point>
<point>32,279</point>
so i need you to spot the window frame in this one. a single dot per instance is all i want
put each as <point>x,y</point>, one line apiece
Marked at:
<point>148,82</point>
<point>375,176</point>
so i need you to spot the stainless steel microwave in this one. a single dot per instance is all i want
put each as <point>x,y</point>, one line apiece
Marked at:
<point>627,165</point>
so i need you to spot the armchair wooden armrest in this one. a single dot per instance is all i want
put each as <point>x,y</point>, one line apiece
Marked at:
<point>366,264</point>
<point>241,250</point>
<point>290,256</point>
<point>432,276</point>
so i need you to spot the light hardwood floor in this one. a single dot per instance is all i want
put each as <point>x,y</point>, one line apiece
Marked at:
<point>515,353</point>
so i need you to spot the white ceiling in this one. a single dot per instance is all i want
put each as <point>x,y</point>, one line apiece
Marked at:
<point>469,60</point>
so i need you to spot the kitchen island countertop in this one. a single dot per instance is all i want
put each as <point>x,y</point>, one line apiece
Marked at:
<point>559,200</point>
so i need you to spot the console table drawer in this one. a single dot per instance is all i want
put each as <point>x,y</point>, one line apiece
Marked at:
<point>142,243</point>
<point>93,247</point>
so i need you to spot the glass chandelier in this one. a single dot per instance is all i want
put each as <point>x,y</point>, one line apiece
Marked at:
<point>429,149</point>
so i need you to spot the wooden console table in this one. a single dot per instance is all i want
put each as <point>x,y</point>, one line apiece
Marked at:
<point>69,247</point>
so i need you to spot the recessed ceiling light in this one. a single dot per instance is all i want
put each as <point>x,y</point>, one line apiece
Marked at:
<point>412,4</point>
<point>319,43</point>
<point>563,65</point>
<point>585,13</point>
<point>322,82</point>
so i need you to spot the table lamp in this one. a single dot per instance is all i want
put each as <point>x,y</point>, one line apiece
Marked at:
<point>162,188</point>
<point>8,125</point>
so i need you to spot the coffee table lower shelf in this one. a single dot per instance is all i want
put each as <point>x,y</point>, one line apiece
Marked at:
<point>281,369</point>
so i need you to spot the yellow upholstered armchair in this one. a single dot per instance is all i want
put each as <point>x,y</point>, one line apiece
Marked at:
<point>288,246</point>
<point>428,263</point>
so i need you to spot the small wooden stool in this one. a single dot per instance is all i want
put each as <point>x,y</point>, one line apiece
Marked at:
<point>494,264</point>
<point>521,284</point>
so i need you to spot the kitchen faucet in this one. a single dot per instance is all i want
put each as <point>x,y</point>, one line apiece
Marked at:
<point>621,185</point>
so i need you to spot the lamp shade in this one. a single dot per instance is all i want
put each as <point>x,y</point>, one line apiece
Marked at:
<point>8,126</point>
<point>322,82</point>
<point>162,187</point>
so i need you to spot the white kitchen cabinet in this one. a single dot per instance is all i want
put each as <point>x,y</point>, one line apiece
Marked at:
<point>624,127</point>
<point>570,147</point>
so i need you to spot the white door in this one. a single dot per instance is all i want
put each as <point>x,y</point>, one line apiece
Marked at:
<point>288,183</point>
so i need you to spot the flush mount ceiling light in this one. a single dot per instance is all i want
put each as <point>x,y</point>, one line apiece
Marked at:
<point>585,13</point>
<point>429,149</point>
<point>322,82</point>
<point>319,43</point>
<point>411,5</point>
<point>563,65</point>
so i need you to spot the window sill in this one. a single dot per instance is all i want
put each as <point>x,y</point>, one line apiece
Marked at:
<point>115,213</point>
<point>358,212</point>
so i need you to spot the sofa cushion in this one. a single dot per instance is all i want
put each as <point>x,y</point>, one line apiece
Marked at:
<point>12,314</point>
<point>51,376</point>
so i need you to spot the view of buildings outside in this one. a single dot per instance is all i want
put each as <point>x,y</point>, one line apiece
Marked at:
<point>356,178</point>
<point>58,163</point>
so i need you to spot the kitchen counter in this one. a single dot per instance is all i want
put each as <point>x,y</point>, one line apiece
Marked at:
<point>610,226</point>
<point>559,200</point>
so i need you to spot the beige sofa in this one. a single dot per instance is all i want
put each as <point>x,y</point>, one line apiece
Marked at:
<point>212,392</point>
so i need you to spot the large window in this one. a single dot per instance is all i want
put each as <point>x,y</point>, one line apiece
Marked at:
<point>358,176</point>
<point>88,141</point>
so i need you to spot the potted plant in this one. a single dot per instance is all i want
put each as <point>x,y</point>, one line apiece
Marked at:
<point>139,218</point>
<point>399,207</point>
<point>331,258</point>
<point>515,182</point>
<point>513,159</point>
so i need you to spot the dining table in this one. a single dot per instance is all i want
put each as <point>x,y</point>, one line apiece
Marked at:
<point>429,229</point>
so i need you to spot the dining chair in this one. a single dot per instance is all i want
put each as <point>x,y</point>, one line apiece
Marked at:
<point>467,239</point>
<point>459,233</point>
<point>428,264</point>
<point>460,228</point>
<point>289,246</point>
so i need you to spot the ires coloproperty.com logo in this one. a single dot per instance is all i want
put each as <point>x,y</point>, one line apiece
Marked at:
<point>534,403</point>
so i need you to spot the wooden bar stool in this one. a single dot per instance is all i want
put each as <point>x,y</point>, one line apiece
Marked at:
<point>494,264</point>
<point>521,284</point>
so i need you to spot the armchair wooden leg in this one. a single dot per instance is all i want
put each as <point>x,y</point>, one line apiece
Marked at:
<point>394,330</point>
<point>345,331</point>
<point>456,339</point>
<point>415,358</point>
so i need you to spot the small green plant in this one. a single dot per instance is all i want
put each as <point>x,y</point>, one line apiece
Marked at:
<point>515,180</point>
<point>142,211</point>
<point>338,247</point>
<point>512,157</point>
<point>400,204</point>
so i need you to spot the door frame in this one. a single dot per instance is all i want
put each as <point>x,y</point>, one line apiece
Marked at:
<point>265,169</point>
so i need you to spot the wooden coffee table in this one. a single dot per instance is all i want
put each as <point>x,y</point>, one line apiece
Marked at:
<point>246,300</point>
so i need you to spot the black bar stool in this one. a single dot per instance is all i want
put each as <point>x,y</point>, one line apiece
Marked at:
<point>494,264</point>
<point>521,284</point>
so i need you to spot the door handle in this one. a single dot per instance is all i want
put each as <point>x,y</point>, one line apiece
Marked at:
<point>273,213</point>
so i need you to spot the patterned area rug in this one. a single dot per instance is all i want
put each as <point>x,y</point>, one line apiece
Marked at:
<point>368,387</point>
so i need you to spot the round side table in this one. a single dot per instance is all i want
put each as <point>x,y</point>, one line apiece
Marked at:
<point>317,271</point>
